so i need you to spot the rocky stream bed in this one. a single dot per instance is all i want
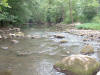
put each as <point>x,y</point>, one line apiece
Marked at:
<point>36,52</point>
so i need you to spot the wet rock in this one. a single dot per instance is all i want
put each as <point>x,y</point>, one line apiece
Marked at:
<point>5,37</point>
<point>15,41</point>
<point>22,54</point>
<point>4,48</point>
<point>28,36</point>
<point>88,49</point>
<point>85,39</point>
<point>11,35</point>
<point>35,36</point>
<point>17,29</point>
<point>14,29</point>
<point>78,65</point>
<point>59,36</point>
<point>81,34</point>
<point>19,53</point>
<point>91,35</point>
<point>19,34</point>
<point>0,37</point>
<point>99,37</point>
<point>98,73</point>
<point>68,52</point>
<point>63,41</point>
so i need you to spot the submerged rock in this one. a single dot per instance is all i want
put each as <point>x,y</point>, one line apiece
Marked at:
<point>15,41</point>
<point>78,65</point>
<point>28,36</point>
<point>35,36</point>
<point>59,36</point>
<point>4,48</point>
<point>85,39</point>
<point>88,49</point>
<point>63,41</point>
<point>24,53</point>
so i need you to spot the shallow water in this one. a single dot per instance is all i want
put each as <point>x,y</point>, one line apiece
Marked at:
<point>40,54</point>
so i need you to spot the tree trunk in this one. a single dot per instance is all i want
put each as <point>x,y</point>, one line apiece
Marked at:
<point>70,7</point>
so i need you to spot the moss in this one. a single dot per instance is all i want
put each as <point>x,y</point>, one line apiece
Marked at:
<point>87,50</point>
<point>78,67</point>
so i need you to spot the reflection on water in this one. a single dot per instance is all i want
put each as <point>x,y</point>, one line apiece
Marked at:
<point>39,54</point>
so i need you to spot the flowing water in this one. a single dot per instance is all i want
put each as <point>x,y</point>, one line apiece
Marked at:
<point>40,54</point>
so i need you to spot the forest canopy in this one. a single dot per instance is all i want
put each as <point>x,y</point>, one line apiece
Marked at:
<point>19,12</point>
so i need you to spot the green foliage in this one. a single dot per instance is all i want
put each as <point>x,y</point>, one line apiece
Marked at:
<point>93,26</point>
<point>89,13</point>
<point>19,12</point>
<point>96,19</point>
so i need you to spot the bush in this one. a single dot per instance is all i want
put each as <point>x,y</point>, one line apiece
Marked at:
<point>96,19</point>
<point>93,26</point>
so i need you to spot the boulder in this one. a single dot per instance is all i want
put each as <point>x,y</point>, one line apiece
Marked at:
<point>88,49</point>
<point>59,36</point>
<point>78,65</point>
<point>63,41</point>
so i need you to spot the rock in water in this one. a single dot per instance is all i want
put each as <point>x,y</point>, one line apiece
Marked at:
<point>4,48</point>
<point>0,37</point>
<point>35,36</point>
<point>63,41</point>
<point>10,35</point>
<point>15,41</point>
<point>78,65</point>
<point>59,36</point>
<point>88,49</point>
<point>19,34</point>
<point>98,73</point>
<point>28,36</point>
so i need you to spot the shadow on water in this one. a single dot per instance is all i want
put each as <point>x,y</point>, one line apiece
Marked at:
<point>39,54</point>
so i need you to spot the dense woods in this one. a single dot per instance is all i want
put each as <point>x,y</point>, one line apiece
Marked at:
<point>19,12</point>
<point>49,37</point>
